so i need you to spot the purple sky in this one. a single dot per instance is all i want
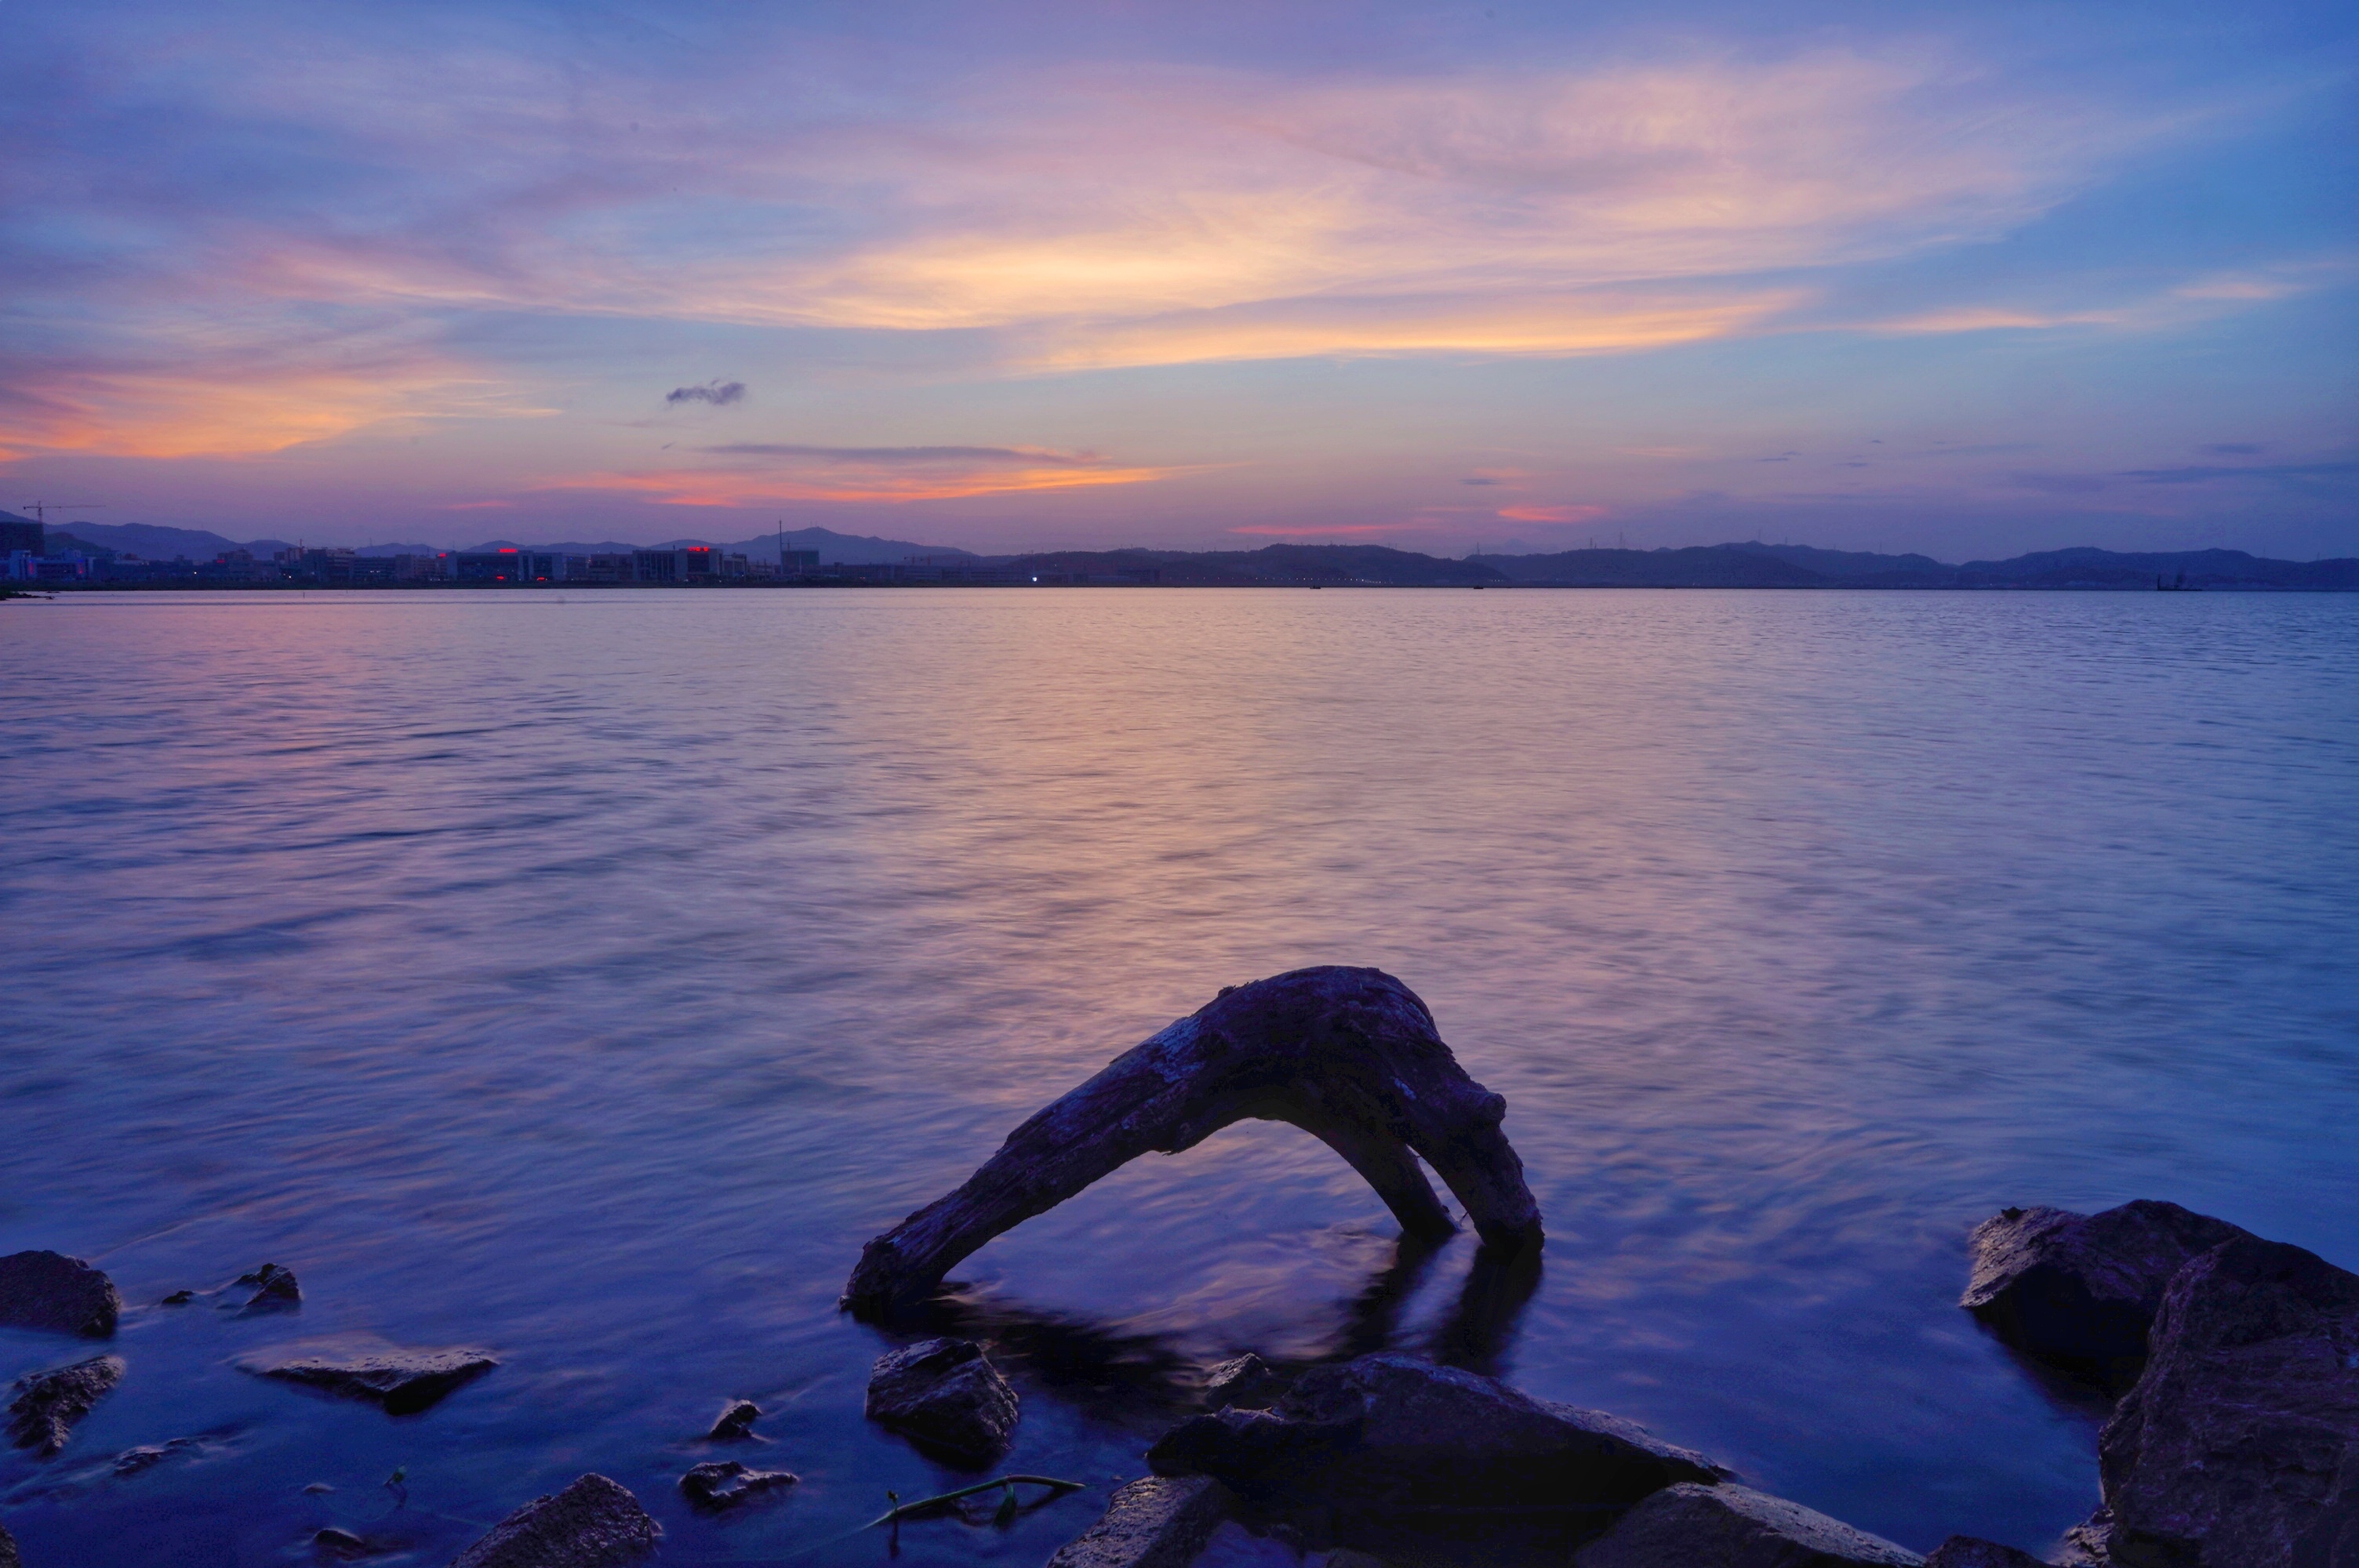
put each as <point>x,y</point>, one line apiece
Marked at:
<point>1966,280</point>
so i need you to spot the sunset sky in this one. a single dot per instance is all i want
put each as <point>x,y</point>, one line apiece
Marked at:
<point>1969,280</point>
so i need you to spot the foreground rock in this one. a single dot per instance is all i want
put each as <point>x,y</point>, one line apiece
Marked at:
<point>2239,1447</point>
<point>724,1483</point>
<point>2082,1290</point>
<point>1734,1526</point>
<point>47,1404</point>
<point>1349,1056</point>
<point>274,1289</point>
<point>64,1295</point>
<point>1388,1436</point>
<point>735,1423</point>
<point>1248,1383</point>
<point>8,1558</point>
<point>593,1523</point>
<point>946,1395</point>
<point>1973,1551</point>
<point>1159,1523</point>
<point>403,1380</point>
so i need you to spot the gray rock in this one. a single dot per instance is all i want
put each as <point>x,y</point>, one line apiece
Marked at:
<point>1973,1551</point>
<point>47,1403</point>
<point>944,1394</point>
<point>2239,1448</point>
<point>724,1483</point>
<point>593,1523</point>
<point>736,1422</point>
<point>274,1289</point>
<point>1387,1434</point>
<point>1734,1526</point>
<point>1248,1383</point>
<point>51,1290</point>
<point>1158,1523</point>
<point>1351,1056</point>
<point>2080,1290</point>
<point>403,1380</point>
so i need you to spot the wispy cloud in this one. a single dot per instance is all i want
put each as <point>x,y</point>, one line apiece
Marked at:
<point>759,472</point>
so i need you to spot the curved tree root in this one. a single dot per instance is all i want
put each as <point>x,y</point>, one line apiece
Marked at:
<point>1349,1056</point>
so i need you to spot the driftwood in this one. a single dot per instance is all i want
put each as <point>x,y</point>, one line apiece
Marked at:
<point>1349,1056</point>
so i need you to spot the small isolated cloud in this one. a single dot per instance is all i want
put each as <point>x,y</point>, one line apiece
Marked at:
<point>2234,448</point>
<point>1551,514</point>
<point>719,394</point>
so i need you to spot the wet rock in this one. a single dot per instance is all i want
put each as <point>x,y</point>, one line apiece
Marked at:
<point>8,1558</point>
<point>2080,1290</point>
<point>1159,1523</point>
<point>403,1380</point>
<point>274,1289</point>
<point>593,1523</point>
<point>736,1422</point>
<point>944,1394</point>
<point>1734,1526</point>
<point>53,1291</point>
<point>1387,1434</point>
<point>47,1403</point>
<point>146,1456</point>
<point>179,1298</point>
<point>342,1543</point>
<point>1973,1551</point>
<point>1349,1056</point>
<point>724,1483</point>
<point>2239,1447</point>
<point>1247,1383</point>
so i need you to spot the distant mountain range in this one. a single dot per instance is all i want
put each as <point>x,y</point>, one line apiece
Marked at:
<point>1697,566</point>
<point>155,542</point>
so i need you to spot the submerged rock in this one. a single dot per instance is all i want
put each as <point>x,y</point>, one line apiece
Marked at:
<point>945,1394</point>
<point>724,1483</point>
<point>1159,1523</point>
<point>1973,1551</point>
<point>48,1403</point>
<point>2239,1447</point>
<point>148,1456</point>
<point>1691,1526</point>
<point>274,1289</point>
<point>2082,1290</point>
<point>1248,1383</point>
<point>593,1523</point>
<point>50,1290</point>
<point>736,1422</point>
<point>338,1542</point>
<point>403,1380</point>
<point>1389,1434</point>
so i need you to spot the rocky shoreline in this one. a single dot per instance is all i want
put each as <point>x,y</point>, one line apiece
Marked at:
<point>2233,1361</point>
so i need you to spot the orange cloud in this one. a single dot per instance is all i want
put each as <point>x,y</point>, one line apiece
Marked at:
<point>1324,530</point>
<point>869,474</point>
<point>1551,514</point>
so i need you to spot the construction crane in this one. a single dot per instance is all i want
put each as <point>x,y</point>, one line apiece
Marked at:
<point>41,509</point>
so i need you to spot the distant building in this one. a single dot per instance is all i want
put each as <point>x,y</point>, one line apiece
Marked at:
<point>799,560</point>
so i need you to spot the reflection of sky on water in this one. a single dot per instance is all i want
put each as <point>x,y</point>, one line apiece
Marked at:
<point>591,978</point>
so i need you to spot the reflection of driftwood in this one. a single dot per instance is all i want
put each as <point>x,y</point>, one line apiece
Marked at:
<point>1349,1056</point>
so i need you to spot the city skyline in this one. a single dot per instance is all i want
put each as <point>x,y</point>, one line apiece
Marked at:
<point>1088,277</point>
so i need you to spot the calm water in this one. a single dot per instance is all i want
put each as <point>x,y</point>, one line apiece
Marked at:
<point>587,979</point>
